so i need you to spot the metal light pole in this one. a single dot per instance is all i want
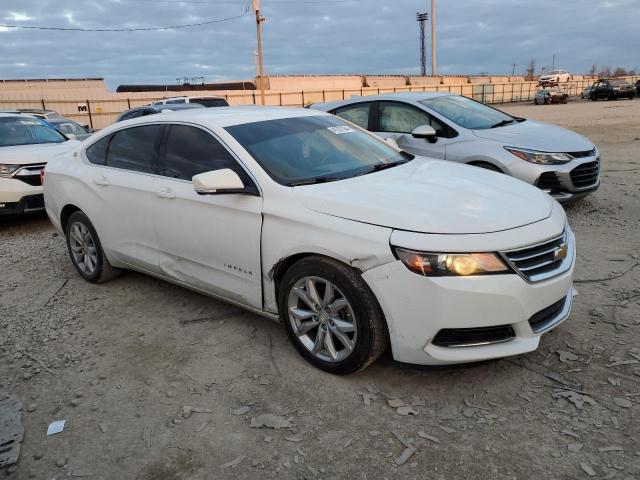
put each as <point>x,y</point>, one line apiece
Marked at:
<point>514,65</point>
<point>434,69</point>
<point>259,21</point>
<point>421,18</point>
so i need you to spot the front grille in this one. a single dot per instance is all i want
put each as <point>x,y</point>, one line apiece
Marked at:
<point>547,317</point>
<point>549,181</point>
<point>473,337</point>
<point>35,202</point>
<point>585,175</point>
<point>583,154</point>
<point>544,260</point>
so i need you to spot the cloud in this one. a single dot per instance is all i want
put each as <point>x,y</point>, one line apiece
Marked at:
<point>331,37</point>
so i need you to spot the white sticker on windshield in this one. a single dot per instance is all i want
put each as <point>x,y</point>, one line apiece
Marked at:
<point>341,129</point>
<point>30,122</point>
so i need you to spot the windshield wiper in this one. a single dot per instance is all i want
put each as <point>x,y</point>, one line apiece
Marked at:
<point>313,181</point>
<point>502,123</point>
<point>384,166</point>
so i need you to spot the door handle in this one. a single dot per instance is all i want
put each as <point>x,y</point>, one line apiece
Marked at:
<point>165,192</point>
<point>102,181</point>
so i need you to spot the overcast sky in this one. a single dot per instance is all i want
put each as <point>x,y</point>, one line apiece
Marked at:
<point>311,36</point>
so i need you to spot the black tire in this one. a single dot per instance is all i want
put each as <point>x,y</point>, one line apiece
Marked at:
<point>103,269</point>
<point>535,101</point>
<point>486,166</point>
<point>594,97</point>
<point>372,335</point>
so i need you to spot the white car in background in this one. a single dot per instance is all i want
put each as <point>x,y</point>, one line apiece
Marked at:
<point>26,144</point>
<point>208,101</point>
<point>554,76</point>
<point>297,214</point>
<point>452,127</point>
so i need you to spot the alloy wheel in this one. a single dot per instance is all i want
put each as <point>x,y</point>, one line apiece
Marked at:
<point>322,318</point>
<point>83,248</point>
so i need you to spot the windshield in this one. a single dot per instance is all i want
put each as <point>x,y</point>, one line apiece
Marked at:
<point>468,113</point>
<point>311,149</point>
<point>69,128</point>
<point>27,131</point>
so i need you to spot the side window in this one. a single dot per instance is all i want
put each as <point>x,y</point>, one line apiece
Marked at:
<point>402,118</point>
<point>397,117</point>
<point>97,153</point>
<point>191,151</point>
<point>134,148</point>
<point>358,114</point>
<point>180,100</point>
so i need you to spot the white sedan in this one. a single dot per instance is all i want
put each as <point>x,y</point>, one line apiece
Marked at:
<point>298,215</point>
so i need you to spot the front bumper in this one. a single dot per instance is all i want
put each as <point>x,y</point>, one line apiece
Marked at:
<point>419,310</point>
<point>569,181</point>
<point>28,204</point>
<point>18,196</point>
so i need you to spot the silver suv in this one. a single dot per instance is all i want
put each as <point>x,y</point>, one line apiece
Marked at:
<point>452,127</point>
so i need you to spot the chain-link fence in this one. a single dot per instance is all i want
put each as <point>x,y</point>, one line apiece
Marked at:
<point>98,113</point>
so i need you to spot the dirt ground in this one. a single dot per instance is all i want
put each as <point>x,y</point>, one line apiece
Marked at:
<point>159,383</point>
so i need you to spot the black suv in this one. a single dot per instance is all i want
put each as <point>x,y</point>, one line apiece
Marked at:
<point>612,88</point>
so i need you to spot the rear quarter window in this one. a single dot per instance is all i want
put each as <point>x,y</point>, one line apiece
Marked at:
<point>97,152</point>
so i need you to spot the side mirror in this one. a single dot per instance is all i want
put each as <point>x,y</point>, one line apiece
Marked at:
<point>425,131</point>
<point>218,182</point>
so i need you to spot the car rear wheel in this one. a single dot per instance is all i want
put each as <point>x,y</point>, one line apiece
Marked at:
<point>85,250</point>
<point>331,315</point>
<point>594,97</point>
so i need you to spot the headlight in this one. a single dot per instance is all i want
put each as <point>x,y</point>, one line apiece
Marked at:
<point>544,158</point>
<point>6,170</point>
<point>451,264</point>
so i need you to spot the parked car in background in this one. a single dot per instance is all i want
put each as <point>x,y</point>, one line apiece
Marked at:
<point>204,101</point>
<point>586,93</point>
<point>547,96</point>
<point>297,214</point>
<point>554,77</point>
<point>638,88</point>
<point>40,113</point>
<point>451,127</point>
<point>612,89</point>
<point>26,144</point>
<point>153,109</point>
<point>70,129</point>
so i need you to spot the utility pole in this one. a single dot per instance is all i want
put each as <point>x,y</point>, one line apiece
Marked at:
<point>434,69</point>
<point>553,63</point>
<point>259,20</point>
<point>421,18</point>
<point>513,72</point>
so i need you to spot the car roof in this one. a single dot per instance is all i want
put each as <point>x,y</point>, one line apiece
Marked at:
<point>403,96</point>
<point>222,117</point>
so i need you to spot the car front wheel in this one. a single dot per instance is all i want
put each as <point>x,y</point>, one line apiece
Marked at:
<point>86,251</point>
<point>331,315</point>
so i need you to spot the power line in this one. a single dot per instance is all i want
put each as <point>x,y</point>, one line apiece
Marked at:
<point>141,29</point>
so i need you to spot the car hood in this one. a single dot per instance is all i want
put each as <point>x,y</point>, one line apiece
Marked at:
<point>39,153</point>
<point>431,196</point>
<point>537,136</point>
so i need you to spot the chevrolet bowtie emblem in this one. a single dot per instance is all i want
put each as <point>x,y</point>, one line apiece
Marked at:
<point>561,252</point>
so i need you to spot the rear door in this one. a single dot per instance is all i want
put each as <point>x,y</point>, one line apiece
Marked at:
<point>211,242</point>
<point>397,120</point>
<point>122,178</point>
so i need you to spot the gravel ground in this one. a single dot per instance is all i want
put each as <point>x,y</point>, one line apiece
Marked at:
<point>159,383</point>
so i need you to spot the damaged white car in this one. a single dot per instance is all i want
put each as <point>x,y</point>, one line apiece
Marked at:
<point>297,214</point>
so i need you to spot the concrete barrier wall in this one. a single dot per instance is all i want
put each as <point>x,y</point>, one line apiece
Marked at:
<point>319,82</point>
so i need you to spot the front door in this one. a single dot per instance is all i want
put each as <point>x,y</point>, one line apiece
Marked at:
<point>397,120</point>
<point>211,242</point>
